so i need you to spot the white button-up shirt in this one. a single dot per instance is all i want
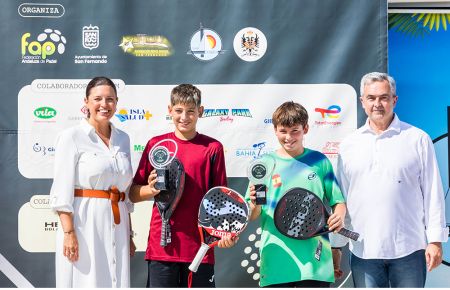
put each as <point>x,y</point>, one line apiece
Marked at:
<point>393,189</point>
<point>83,161</point>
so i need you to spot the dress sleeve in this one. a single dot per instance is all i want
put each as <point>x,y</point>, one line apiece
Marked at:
<point>66,159</point>
<point>433,194</point>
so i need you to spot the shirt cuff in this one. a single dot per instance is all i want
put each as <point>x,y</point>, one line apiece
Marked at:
<point>337,241</point>
<point>437,234</point>
<point>55,206</point>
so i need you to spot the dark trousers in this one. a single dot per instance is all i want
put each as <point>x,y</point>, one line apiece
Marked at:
<point>174,275</point>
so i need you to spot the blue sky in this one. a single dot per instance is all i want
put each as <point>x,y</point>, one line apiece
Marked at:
<point>421,67</point>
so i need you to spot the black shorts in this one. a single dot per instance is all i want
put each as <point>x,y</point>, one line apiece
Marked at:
<point>173,274</point>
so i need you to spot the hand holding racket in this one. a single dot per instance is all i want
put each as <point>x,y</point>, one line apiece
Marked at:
<point>223,213</point>
<point>300,214</point>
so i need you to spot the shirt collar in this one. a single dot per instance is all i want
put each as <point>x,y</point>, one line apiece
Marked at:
<point>394,126</point>
<point>89,129</point>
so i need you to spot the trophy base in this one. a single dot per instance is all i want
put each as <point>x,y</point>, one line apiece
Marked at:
<point>161,177</point>
<point>260,194</point>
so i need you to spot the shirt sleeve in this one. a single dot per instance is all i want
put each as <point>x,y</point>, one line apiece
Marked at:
<point>128,203</point>
<point>219,173</point>
<point>433,194</point>
<point>66,159</point>
<point>332,190</point>
<point>144,167</point>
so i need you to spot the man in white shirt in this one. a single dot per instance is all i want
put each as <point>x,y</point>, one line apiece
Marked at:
<point>388,173</point>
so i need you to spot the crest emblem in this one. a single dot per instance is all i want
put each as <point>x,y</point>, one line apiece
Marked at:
<point>91,37</point>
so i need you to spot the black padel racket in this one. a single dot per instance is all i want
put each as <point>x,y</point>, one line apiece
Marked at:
<point>300,214</point>
<point>167,200</point>
<point>222,212</point>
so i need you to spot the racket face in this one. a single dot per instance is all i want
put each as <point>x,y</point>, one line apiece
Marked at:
<point>300,214</point>
<point>223,212</point>
<point>175,185</point>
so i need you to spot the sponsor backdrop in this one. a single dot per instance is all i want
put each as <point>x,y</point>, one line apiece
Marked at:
<point>247,57</point>
<point>418,64</point>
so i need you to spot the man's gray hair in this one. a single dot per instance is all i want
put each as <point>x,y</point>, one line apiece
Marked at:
<point>377,77</point>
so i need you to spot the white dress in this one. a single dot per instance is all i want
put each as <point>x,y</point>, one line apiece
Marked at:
<point>83,161</point>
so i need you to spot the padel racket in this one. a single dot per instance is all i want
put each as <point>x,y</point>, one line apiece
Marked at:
<point>300,214</point>
<point>222,212</point>
<point>167,200</point>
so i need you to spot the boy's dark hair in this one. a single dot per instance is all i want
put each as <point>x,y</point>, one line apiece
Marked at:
<point>290,114</point>
<point>186,94</point>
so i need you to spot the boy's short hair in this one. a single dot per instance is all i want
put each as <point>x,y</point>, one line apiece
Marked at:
<point>290,114</point>
<point>186,94</point>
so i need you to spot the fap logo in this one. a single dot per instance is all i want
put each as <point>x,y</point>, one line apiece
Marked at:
<point>43,48</point>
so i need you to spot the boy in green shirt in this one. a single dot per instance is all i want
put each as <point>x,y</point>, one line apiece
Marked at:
<point>287,262</point>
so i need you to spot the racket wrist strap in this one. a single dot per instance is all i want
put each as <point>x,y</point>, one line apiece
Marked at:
<point>199,257</point>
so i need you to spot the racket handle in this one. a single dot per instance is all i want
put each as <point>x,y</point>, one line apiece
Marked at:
<point>199,257</point>
<point>349,234</point>
<point>163,241</point>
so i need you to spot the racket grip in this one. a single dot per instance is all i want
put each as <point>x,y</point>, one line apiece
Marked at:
<point>349,234</point>
<point>163,241</point>
<point>199,257</point>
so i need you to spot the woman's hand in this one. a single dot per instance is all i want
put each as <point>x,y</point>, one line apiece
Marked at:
<point>70,246</point>
<point>132,247</point>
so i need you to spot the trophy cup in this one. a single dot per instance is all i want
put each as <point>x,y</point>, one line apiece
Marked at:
<point>259,172</point>
<point>160,156</point>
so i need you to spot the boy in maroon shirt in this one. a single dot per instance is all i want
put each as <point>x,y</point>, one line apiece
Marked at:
<point>204,165</point>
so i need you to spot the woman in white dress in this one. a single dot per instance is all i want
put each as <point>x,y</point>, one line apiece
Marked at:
<point>90,194</point>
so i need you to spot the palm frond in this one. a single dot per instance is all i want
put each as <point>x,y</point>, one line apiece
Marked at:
<point>418,23</point>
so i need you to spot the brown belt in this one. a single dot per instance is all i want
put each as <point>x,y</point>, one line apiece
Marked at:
<point>113,194</point>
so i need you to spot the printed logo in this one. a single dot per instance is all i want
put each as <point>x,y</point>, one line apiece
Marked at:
<point>332,112</point>
<point>142,45</point>
<point>133,115</point>
<point>84,110</point>
<point>255,151</point>
<point>50,226</point>
<point>41,10</point>
<point>276,180</point>
<point>43,150</point>
<point>45,113</point>
<point>90,40</point>
<point>91,37</point>
<point>44,47</point>
<point>312,176</point>
<point>138,148</point>
<point>250,44</point>
<point>206,44</point>
<point>224,114</point>
<point>331,149</point>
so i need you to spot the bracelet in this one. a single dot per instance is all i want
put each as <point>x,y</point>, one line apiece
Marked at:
<point>69,232</point>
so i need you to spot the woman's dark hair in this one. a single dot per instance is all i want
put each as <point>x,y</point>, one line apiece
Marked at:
<point>100,81</point>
